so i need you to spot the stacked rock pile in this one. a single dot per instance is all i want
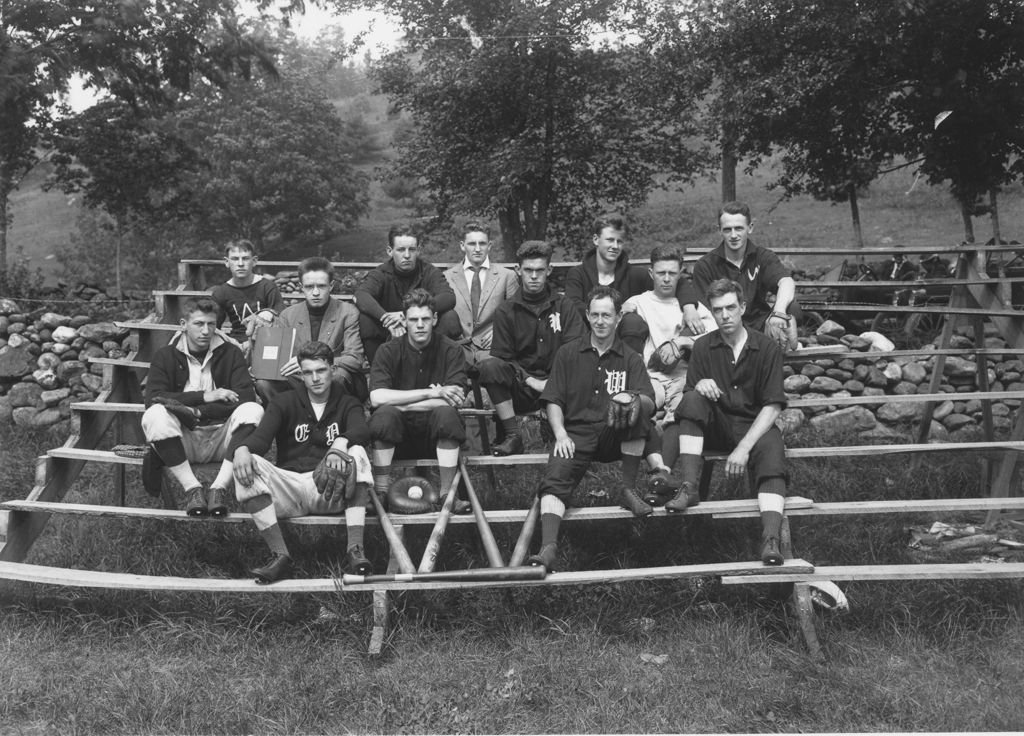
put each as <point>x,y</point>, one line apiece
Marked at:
<point>44,362</point>
<point>858,372</point>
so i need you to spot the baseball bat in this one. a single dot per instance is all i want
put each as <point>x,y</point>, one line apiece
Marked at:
<point>523,544</point>
<point>440,527</point>
<point>397,547</point>
<point>486,536</point>
<point>479,574</point>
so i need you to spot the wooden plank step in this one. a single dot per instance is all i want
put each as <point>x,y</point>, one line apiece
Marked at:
<point>131,408</point>
<point>891,309</point>
<point>904,398</point>
<point>81,453</point>
<point>497,516</point>
<point>867,573</point>
<point>928,351</point>
<point>124,362</point>
<point>909,506</point>
<point>180,295</point>
<point>68,577</point>
<point>895,285</point>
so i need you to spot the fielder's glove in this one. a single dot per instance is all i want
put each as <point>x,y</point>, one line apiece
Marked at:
<point>330,480</point>
<point>189,416</point>
<point>399,501</point>
<point>624,410</point>
<point>666,357</point>
<point>781,328</point>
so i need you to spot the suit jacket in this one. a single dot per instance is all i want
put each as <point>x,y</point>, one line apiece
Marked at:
<point>500,285</point>
<point>339,329</point>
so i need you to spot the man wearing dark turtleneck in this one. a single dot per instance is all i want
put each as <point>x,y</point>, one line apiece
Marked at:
<point>380,295</point>
<point>325,319</point>
<point>528,331</point>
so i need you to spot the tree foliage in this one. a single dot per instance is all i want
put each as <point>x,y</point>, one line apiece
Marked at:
<point>522,115</point>
<point>141,51</point>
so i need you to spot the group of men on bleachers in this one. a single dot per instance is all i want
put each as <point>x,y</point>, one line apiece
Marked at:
<point>622,346</point>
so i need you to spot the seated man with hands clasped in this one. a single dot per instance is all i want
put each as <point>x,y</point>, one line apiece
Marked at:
<point>200,403</point>
<point>734,393</point>
<point>322,466</point>
<point>528,331</point>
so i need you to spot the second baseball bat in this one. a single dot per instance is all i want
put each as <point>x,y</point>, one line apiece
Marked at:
<point>486,536</point>
<point>478,574</point>
<point>398,550</point>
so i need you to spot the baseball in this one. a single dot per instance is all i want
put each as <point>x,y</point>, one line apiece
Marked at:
<point>415,492</point>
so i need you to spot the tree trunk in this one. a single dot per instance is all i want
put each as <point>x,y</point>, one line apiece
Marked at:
<point>5,189</point>
<point>965,213</point>
<point>729,164</point>
<point>993,198</point>
<point>117,259</point>
<point>858,233</point>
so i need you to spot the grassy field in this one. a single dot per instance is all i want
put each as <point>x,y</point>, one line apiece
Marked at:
<point>682,656</point>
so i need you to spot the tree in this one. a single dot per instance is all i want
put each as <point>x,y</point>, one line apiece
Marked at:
<point>965,58</point>
<point>274,162</point>
<point>137,50</point>
<point>521,115</point>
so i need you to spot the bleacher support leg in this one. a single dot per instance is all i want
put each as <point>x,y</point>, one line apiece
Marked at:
<point>801,600</point>
<point>381,607</point>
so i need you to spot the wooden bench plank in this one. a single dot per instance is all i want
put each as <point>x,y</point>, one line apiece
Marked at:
<point>869,573</point>
<point>496,516</point>
<point>905,506</point>
<point>925,283</point>
<point>893,309</point>
<point>103,456</point>
<point>904,398</point>
<point>125,581</point>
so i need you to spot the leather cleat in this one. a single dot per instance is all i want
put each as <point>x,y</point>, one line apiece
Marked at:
<point>152,472</point>
<point>635,504</point>
<point>357,562</point>
<point>770,552</point>
<point>511,445</point>
<point>461,506</point>
<point>279,568</point>
<point>217,502</point>
<point>685,497</point>
<point>195,501</point>
<point>545,557</point>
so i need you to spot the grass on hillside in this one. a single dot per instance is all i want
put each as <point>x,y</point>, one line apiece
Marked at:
<point>665,656</point>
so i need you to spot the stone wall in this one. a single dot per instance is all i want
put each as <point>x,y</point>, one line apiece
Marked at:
<point>860,373</point>
<point>44,362</point>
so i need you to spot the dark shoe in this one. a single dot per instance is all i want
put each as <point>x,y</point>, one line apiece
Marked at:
<point>634,503</point>
<point>462,506</point>
<point>770,552</point>
<point>195,501</point>
<point>545,557</point>
<point>278,568</point>
<point>685,497</point>
<point>511,445</point>
<point>357,562</point>
<point>217,502</point>
<point>660,486</point>
<point>152,472</point>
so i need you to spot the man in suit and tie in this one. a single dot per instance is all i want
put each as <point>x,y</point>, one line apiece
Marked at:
<point>325,319</point>
<point>480,288</point>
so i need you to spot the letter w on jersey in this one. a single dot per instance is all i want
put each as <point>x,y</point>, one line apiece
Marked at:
<point>615,381</point>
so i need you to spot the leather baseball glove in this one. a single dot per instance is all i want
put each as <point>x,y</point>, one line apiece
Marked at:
<point>399,501</point>
<point>330,480</point>
<point>782,329</point>
<point>189,416</point>
<point>624,410</point>
<point>666,357</point>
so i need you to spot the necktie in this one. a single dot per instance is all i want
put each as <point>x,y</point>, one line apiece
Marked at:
<point>474,292</point>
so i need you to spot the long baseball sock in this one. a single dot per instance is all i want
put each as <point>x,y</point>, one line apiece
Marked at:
<point>447,466</point>
<point>380,461</point>
<point>355,521</point>
<point>771,501</point>
<point>552,509</point>
<point>265,518</point>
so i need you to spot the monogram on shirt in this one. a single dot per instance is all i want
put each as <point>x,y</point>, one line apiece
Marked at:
<point>614,381</point>
<point>555,320</point>
<point>302,432</point>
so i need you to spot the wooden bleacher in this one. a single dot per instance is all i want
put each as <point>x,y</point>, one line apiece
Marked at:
<point>114,417</point>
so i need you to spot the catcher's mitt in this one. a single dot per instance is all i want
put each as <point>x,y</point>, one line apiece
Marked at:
<point>330,480</point>
<point>400,502</point>
<point>189,416</point>
<point>666,357</point>
<point>782,329</point>
<point>624,410</point>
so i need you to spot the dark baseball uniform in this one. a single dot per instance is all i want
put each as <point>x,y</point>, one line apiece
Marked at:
<point>758,274</point>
